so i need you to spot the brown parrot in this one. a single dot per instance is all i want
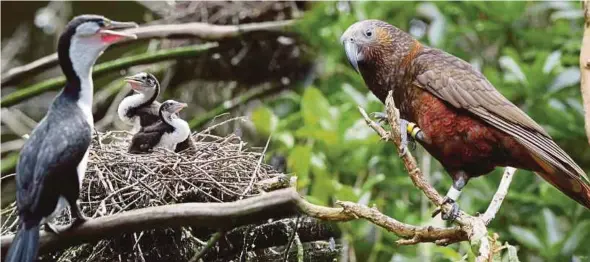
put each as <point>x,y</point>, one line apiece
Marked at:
<point>466,124</point>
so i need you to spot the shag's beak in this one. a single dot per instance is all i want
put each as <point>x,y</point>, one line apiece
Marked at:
<point>134,82</point>
<point>352,53</point>
<point>179,106</point>
<point>110,36</point>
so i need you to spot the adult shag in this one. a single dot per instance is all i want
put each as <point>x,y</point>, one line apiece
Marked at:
<point>53,160</point>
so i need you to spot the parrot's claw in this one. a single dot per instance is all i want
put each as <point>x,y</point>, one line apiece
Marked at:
<point>403,127</point>
<point>380,116</point>
<point>453,214</point>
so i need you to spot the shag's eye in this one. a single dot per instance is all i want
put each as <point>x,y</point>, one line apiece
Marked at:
<point>105,23</point>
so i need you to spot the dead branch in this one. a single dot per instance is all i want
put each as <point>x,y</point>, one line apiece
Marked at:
<point>499,196</point>
<point>585,67</point>
<point>276,204</point>
<point>203,31</point>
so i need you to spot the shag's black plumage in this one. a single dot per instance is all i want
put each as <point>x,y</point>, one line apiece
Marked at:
<point>145,110</point>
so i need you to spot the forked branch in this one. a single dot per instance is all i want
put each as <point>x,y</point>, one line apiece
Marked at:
<point>473,227</point>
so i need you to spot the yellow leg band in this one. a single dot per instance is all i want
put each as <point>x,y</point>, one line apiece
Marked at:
<point>413,129</point>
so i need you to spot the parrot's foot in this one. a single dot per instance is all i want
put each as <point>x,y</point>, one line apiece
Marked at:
<point>380,116</point>
<point>403,126</point>
<point>453,214</point>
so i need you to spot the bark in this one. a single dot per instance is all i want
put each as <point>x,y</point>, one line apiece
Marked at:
<point>585,67</point>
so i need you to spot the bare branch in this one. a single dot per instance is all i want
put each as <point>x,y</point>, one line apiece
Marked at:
<point>499,196</point>
<point>276,204</point>
<point>415,234</point>
<point>585,66</point>
<point>199,30</point>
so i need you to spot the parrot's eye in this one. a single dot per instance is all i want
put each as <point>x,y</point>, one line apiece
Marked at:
<point>369,33</point>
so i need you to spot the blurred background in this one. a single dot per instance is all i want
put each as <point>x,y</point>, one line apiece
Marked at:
<point>299,92</point>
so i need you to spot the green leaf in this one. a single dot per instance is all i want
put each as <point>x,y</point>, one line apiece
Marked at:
<point>577,237</point>
<point>526,237</point>
<point>286,138</point>
<point>264,120</point>
<point>554,235</point>
<point>299,159</point>
<point>316,109</point>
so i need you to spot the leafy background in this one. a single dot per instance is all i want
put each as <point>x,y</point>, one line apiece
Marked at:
<point>528,50</point>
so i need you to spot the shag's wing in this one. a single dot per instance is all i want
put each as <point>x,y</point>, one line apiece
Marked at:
<point>148,137</point>
<point>56,145</point>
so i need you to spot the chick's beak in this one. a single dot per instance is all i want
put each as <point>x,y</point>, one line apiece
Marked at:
<point>179,107</point>
<point>110,36</point>
<point>134,82</point>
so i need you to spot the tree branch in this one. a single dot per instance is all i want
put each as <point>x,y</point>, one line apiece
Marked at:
<point>199,30</point>
<point>473,227</point>
<point>585,67</point>
<point>276,204</point>
<point>499,196</point>
<point>118,64</point>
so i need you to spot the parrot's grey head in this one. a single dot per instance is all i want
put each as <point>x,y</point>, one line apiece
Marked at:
<point>364,39</point>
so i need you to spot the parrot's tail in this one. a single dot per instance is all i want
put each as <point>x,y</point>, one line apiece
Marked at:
<point>25,245</point>
<point>573,186</point>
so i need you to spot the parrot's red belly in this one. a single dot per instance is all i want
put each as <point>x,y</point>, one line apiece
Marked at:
<point>462,141</point>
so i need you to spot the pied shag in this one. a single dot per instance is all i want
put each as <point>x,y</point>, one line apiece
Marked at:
<point>166,133</point>
<point>53,160</point>
<point>141,108</point>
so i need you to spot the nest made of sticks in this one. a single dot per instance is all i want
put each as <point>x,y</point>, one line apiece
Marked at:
<point>218,169</point>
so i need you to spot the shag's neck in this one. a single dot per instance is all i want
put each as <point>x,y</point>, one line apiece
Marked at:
<point>77,65</point>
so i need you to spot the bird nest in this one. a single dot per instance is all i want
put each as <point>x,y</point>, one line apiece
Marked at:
<point>218,169</point>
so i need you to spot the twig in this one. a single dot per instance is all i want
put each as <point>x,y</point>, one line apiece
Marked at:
<point>290,242</point>
<point>499,196</point>
<point>255,174</point>
<point>118,64</point>
<point>585,67</point>
<point>200,30</point>
<point>212,241</point>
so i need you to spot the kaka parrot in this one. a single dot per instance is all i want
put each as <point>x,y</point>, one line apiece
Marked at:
<point>466,124</point>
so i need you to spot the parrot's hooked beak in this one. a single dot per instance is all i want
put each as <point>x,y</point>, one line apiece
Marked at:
<point>352,53</point>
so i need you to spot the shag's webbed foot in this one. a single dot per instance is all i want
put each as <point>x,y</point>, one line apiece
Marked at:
<point>77,216</point>
<point>51,228</point>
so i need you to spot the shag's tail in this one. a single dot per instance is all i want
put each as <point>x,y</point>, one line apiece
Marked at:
<point>25,245</point>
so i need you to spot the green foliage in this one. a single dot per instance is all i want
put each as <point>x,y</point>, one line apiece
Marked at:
<point>528,50</point>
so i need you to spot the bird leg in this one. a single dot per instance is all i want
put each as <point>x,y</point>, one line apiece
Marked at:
<point>78,217</point>
<point>406,127</point>
<point>460,179</point>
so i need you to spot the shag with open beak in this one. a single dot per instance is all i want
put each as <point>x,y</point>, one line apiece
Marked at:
<point>166,133</point>
<point>52,162</point>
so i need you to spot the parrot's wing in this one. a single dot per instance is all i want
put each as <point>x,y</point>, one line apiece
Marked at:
<point>456,82</point>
